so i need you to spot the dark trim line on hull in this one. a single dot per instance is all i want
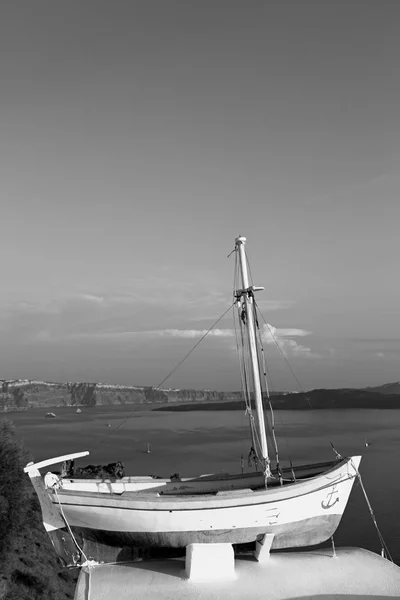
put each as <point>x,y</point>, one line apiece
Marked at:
<point>179,509</point>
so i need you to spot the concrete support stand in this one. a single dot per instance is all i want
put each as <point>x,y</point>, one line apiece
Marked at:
<point>210,562</point>
<point>263,547</point>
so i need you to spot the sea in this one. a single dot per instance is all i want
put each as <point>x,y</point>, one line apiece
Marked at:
<point>200,442</point>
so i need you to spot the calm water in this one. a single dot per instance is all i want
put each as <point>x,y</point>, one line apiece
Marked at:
<point>192,443</point>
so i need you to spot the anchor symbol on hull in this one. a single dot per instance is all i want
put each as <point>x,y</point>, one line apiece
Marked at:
<point>329,502</point>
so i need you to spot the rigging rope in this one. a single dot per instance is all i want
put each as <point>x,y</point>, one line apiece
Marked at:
<point>242,366</point>
<point>267,374</point>
<point>286,360</point>
<point>256,453</point>
<point>70,530</point>
<point>243,377</point>
<point>384,549</point>
<point>172,371</point>
<point>280,421</point>
<point>278,468</point>
<point>194,347</point>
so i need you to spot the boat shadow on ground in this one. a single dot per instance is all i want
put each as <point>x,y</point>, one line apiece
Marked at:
<point>154,565</point>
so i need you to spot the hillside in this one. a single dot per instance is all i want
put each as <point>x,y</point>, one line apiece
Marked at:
<point>21,394</point>
<point>30,569</point>
<point>386,388</point>
<point>316,399</point>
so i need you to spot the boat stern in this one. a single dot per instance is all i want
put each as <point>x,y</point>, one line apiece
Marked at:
<point>312,519</point>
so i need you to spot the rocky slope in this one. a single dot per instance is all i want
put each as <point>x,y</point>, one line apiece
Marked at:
<point>21,394</point>
<point>386,388</point>
<point>313,400</point>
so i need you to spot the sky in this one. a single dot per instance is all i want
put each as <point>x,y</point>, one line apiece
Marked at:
<point>138,139</point>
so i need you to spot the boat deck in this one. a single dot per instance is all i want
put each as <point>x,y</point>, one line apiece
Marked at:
<point>354,574</point>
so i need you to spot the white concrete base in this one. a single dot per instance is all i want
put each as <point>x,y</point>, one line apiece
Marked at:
<point>263,547</point>
<point>353,575</point>
<point>210,562</point>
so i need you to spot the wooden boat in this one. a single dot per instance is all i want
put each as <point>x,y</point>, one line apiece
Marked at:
<point>295,507</point>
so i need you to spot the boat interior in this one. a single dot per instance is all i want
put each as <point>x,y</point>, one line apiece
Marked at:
<point>204,484</point>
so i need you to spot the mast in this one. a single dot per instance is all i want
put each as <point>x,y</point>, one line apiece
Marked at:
<point>247,293</point>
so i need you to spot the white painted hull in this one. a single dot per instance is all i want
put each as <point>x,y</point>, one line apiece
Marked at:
<point>298,514</point>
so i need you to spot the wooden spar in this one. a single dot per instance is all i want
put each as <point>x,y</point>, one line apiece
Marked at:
<point>54,461</point>
<point>248,298</point>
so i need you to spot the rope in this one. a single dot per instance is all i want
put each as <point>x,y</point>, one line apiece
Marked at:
<point>278,468</point>
<point>255,450</point>
<point>285,359</point>
<point>279,419</point>
<point>255,453</point>
<point>384,549</point>
<point>88,565</point>
<point>267,375</point>
<point>243,369</point>
<point>171,372</point>
<point>87,562</point>
<point>243,378</point>
<point>194,347</point>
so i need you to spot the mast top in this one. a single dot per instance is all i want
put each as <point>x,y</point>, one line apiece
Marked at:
<point>240,240</point>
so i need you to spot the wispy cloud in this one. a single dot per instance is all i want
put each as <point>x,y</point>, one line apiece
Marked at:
<point>191,333</point>
<point>153,334</point>
<point>93,298</point>
<point>90,315</point>
<point>115,318</point>
<point>281,332</point>
<point>283,338</point>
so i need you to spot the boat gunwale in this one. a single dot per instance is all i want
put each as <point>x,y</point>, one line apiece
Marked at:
<point>199,478</point>
<point>149,502</point>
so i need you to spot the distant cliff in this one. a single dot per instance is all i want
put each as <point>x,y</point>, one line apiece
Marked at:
<point>386,388</point>
<point>21,394</point>
<point>315,400</point>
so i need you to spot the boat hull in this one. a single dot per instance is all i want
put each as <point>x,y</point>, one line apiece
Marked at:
<point>297,514</point>
<point>306,532</point>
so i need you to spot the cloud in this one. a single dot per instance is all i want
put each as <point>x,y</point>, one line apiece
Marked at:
<point>92,315</point>
<point>270,333</point>
<point>191,333</point>
<point>93,298</point>
<point>282,337</point>
<point>379,354</point>
<point>159,333</point>
<point>287,333</point>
